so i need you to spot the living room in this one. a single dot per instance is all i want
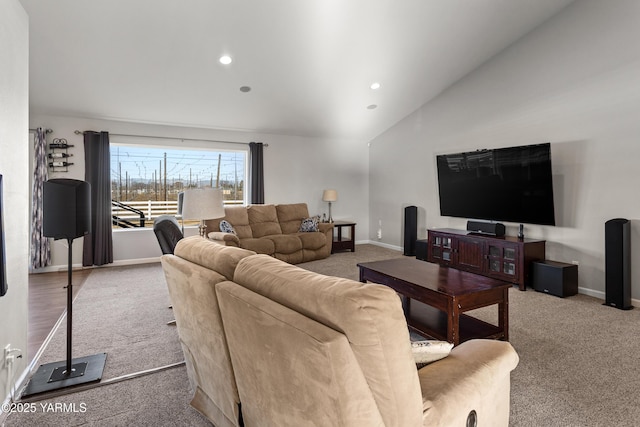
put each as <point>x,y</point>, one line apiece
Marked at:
<point>572,81</point>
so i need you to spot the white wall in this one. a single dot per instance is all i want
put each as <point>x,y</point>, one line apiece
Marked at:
<point>297,169</point>
<point>14,115</point>
<point>574,82</point>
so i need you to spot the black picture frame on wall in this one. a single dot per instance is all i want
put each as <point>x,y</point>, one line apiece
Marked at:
<point>3,259</point>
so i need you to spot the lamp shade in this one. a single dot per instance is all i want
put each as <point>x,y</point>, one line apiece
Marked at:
<point>203,203</point>
<point>330,196</point>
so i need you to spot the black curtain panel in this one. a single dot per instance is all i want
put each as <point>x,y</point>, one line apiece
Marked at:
<point>98,245</point>
<point>256,173</point>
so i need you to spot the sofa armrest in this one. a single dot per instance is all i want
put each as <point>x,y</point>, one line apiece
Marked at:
<point>323,227</point>
<point>224,237</point>
<point>476,376</point>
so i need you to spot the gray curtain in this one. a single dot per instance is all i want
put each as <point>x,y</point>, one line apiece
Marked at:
<point>98,245</point>
<point>256,172</point>
<point>40,246</point>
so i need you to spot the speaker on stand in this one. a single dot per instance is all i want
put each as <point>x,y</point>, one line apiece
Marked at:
<point>66,215</point>
<point>410,230</point>
<point>617,255</point>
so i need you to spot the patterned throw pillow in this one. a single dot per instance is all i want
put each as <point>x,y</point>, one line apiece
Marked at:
<point>309,224</point>
<point>428,351</point>
<point>226,227</point>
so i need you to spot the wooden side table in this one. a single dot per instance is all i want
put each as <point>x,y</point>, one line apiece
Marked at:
<point>344,242</point>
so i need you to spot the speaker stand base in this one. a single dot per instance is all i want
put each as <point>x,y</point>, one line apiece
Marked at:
<point>53,376</point>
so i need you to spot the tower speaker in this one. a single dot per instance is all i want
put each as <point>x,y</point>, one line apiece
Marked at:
<point>66,208</point>
<point>410,230</point>
<point>617,255</point>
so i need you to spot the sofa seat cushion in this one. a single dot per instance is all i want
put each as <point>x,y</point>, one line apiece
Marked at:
<point>263,220</point>
<point>312,240</point>
<point>290,216</point>
<point>208,254</point>
<point>370,316</point>
<point>261,246</point>
<point>285,243</point>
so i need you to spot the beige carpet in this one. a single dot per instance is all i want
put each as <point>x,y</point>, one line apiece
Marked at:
<point>122,311</point>
<point>579,360</point>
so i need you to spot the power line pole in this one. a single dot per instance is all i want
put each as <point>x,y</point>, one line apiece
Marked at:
<point>218,176</point>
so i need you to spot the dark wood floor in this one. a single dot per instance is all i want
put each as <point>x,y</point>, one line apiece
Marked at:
<point>47,302</point>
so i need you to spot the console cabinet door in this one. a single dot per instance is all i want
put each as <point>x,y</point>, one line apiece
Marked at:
<point>441,249</point>
<point>470,254</point>
<point>503,261</point>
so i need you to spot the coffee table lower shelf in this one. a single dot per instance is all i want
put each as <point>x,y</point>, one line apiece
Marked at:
<point>432,323</point>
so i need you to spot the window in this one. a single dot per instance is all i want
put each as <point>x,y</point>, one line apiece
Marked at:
<point>145,180</point>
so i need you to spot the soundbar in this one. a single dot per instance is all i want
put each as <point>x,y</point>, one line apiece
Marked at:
<point>492,228</point>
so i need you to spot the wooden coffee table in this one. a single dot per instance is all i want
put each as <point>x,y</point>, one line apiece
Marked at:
<point>443,294</point>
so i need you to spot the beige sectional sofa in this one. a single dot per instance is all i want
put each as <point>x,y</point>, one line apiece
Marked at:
<point>272,344</point>
<point>274,230</point>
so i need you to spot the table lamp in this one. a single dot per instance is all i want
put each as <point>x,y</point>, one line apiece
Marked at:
<point>202,204</point>
<point>330,196</point>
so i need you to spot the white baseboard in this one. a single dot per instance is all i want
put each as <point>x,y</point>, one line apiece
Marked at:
<point>383,245</point>
<point>124,262</point>
<point>591,293</point>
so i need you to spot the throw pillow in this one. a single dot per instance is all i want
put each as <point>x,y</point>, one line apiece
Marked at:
<point>309,224</point>
<point>428,351</point>
<point>226,227</point>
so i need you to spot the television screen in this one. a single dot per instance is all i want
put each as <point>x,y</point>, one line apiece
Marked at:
<point>3,262</point>
<point>505,184</point>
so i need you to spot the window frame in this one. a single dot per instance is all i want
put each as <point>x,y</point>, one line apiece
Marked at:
<point>180,145</point>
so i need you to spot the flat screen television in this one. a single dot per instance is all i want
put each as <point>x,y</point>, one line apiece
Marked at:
<point>3,261</point>
<point>511,184</point>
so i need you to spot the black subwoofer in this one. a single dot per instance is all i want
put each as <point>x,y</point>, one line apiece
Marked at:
<point>66,208</point>
<point>617,255</point>
<point>555,278</point>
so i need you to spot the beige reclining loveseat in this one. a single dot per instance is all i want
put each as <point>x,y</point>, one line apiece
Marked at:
<point>277,345</point>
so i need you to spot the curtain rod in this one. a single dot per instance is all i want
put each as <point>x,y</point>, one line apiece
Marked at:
<point>45,131</point>
<point>77,132</point>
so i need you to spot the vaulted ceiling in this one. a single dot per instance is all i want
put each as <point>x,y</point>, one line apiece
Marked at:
<point>309,64</point>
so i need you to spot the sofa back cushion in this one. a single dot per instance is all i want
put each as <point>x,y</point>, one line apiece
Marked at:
<point>291,370</point>
<point>238,217</point>
<point>263,220</point>
<point>369,315</point>
<point>291,215</point>
<point>216,257</point>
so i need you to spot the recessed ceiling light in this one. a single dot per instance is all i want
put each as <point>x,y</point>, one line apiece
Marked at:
<point>245,89</point>
<point>375,86</point>
<point>225,59</point>
<point>372,107</point>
